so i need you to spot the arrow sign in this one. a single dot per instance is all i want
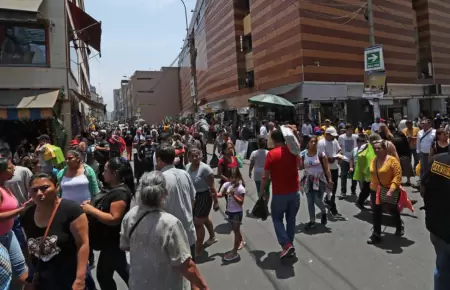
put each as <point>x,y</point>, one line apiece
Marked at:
<point>373,59</point>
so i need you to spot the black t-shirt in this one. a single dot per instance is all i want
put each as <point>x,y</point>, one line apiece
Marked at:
<point>102,156</point>
<point>146,151</point>
<point>102,235</point>
<point>60,251</point>
<point>128,140</point>
<point>436,197</point>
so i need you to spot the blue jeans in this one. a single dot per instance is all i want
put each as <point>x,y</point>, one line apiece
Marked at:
<point>17,229</point>
<point>9,241</point>
<point>286,205</point>
<point>315,197</point>
<point>442,271</point>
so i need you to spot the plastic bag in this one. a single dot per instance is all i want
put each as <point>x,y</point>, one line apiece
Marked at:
<point>240,162</point>
<point>291,141</point>
<point>260,210</point>
<point>214,162</point>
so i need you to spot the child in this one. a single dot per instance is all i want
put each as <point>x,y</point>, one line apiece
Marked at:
<point>235,192</point>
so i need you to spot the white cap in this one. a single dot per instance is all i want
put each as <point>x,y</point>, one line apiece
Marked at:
<point>332,131</point>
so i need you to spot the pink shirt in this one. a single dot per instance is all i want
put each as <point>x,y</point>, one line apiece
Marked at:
<point>9,203</point>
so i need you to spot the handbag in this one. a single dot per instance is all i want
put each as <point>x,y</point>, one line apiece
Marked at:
<point>35,280</point>
<point>214,162</point>
<point>260,209</point>
<point>395,195</point>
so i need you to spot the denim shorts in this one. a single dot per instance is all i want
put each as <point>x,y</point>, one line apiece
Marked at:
<point>235,217</point>
<point>10,242</point>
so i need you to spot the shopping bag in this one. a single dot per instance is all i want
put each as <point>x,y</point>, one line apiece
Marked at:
<point>260,209</point>
<point>214,162</point>
<point>240,162</point>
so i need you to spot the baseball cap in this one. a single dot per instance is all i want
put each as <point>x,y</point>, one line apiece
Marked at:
<point>327,121</point>
<point>44,137</point>
<point>332,131</point>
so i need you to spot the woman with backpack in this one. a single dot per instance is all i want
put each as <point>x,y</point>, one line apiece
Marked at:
<point>105,213</point>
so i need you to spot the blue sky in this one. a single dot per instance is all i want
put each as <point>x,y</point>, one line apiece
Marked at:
<point>137,35</point>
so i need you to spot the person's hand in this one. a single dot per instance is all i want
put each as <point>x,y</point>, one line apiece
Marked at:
<point>389,193</point>
<point>250,175</point>
<point>79,284</point>
<point>351,170</point>
<point>331,159</point>
<point>28,203</point>
<point>86,206</point>
<point>216,206</point>
<point>330,184</point>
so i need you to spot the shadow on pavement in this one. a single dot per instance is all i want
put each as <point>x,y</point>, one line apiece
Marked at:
<point>284,269</point>
<point>223,229</point>
<point>393,244</point>
<point>319,229</point>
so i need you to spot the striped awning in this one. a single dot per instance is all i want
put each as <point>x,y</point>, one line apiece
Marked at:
<point>27,104</point>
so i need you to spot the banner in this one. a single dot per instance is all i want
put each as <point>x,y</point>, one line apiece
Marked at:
<point>374,85</point>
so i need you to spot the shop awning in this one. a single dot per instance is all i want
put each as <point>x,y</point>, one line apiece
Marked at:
<point>283,89</point>
<point>27,104</point>
<point>88,101</point>
<point>88,29</point>
<point>19,10</point>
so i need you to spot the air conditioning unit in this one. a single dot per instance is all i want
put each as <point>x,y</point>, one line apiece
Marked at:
<point>433,90</point>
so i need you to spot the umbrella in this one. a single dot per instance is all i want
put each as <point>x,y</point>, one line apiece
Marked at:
<point>268,99</point>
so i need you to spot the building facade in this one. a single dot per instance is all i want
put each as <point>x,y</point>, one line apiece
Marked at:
<point>42,53</point>
<point>153,95</point>
<point>313,52</point>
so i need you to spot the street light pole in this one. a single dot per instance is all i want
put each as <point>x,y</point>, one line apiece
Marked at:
<point>186,18</point>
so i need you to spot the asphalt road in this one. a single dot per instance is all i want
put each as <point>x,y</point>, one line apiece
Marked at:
<point>331,257</point>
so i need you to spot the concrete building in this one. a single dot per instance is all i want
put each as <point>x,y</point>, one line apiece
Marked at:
<point>44,68</point>
<point>152,95</point>
<point>313,53</point>
<point>97,113</point>
<point>116,99</point>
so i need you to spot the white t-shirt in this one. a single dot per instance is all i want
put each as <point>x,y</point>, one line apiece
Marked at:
<point>402,125</point>
<point>375,127</point>
<point>263,131</point>
<point>312,165</point>
<point>330,149</point>
<point>307,130</point>
<point>259,158</point>
<point>347,144</point>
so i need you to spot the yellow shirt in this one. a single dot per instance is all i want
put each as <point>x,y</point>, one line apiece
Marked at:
<point>367,132</point>
<point>390,174</point>
<point>411,133</point>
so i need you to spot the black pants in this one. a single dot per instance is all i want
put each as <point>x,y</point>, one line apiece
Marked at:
<point>377,214</point>
<point>112,259</point>
<point>365,192</point>
<point>345,172</point>
<point>332,201</point>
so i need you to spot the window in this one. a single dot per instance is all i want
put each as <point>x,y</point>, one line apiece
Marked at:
<point>23,45</point>
<point>248,81</point>
<point>247,43</point>
<point>145,92</point>
<point>141,79</point>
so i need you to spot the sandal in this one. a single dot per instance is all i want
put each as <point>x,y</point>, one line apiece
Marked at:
<point>211,241</point>
<point>229,257</point>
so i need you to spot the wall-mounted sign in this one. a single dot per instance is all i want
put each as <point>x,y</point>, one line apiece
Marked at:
<point>192,86</point>
<point>374,85</point>
<point>373,58</point>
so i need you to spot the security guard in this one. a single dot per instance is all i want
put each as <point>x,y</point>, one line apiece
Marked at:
<point>435,191</point>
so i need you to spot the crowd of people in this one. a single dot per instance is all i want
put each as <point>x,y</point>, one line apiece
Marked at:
<point>52,216</point>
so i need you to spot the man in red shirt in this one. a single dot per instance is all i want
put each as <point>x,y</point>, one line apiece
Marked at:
<point>282,167</point>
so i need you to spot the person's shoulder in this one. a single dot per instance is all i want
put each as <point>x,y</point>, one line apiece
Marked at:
<point>23,170</point>
<point>70,207</point>
<point>241,189</point>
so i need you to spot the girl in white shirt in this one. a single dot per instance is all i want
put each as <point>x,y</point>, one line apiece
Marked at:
<point>316,179</point>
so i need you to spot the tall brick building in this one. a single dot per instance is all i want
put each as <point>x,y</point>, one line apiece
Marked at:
<point>313,51</point>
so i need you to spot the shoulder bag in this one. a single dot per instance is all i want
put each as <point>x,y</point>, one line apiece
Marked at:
<point>35,280</point>
<point>139,220</point>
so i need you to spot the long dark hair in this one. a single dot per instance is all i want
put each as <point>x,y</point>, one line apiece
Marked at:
<point>122,167</point>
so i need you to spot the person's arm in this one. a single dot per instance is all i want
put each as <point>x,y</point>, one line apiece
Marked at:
<point>212,187</point>
<point>220,173</point>
<point>392,150</point>
<point>180,256</point>
<point>252,164</point>
<point>79,230</point>
<point>93,182</point>
<point>352,163</point>
<point>418,144</point>
<point>326,167</point>
<point>430,156</point>
<point>239,198</point>
<point>113,217</point>
<point>7,215</point>
<point>396,173</point>
<point>215,147</point>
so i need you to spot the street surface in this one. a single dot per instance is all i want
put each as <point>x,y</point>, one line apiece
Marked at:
<point>331,257</point>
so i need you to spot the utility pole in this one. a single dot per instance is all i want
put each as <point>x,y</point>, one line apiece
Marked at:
<point>193,54</point>
<point>376,102</point>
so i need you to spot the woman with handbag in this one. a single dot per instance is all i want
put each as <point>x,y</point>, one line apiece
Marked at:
<point>57,238</point>
<point>106,211</point>
<point>385,182</point>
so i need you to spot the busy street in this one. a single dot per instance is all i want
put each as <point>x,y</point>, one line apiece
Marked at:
<point>334,257</point>
<point>226,144</point>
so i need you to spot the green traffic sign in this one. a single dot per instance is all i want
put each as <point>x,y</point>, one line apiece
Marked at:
<point>373,58</point>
